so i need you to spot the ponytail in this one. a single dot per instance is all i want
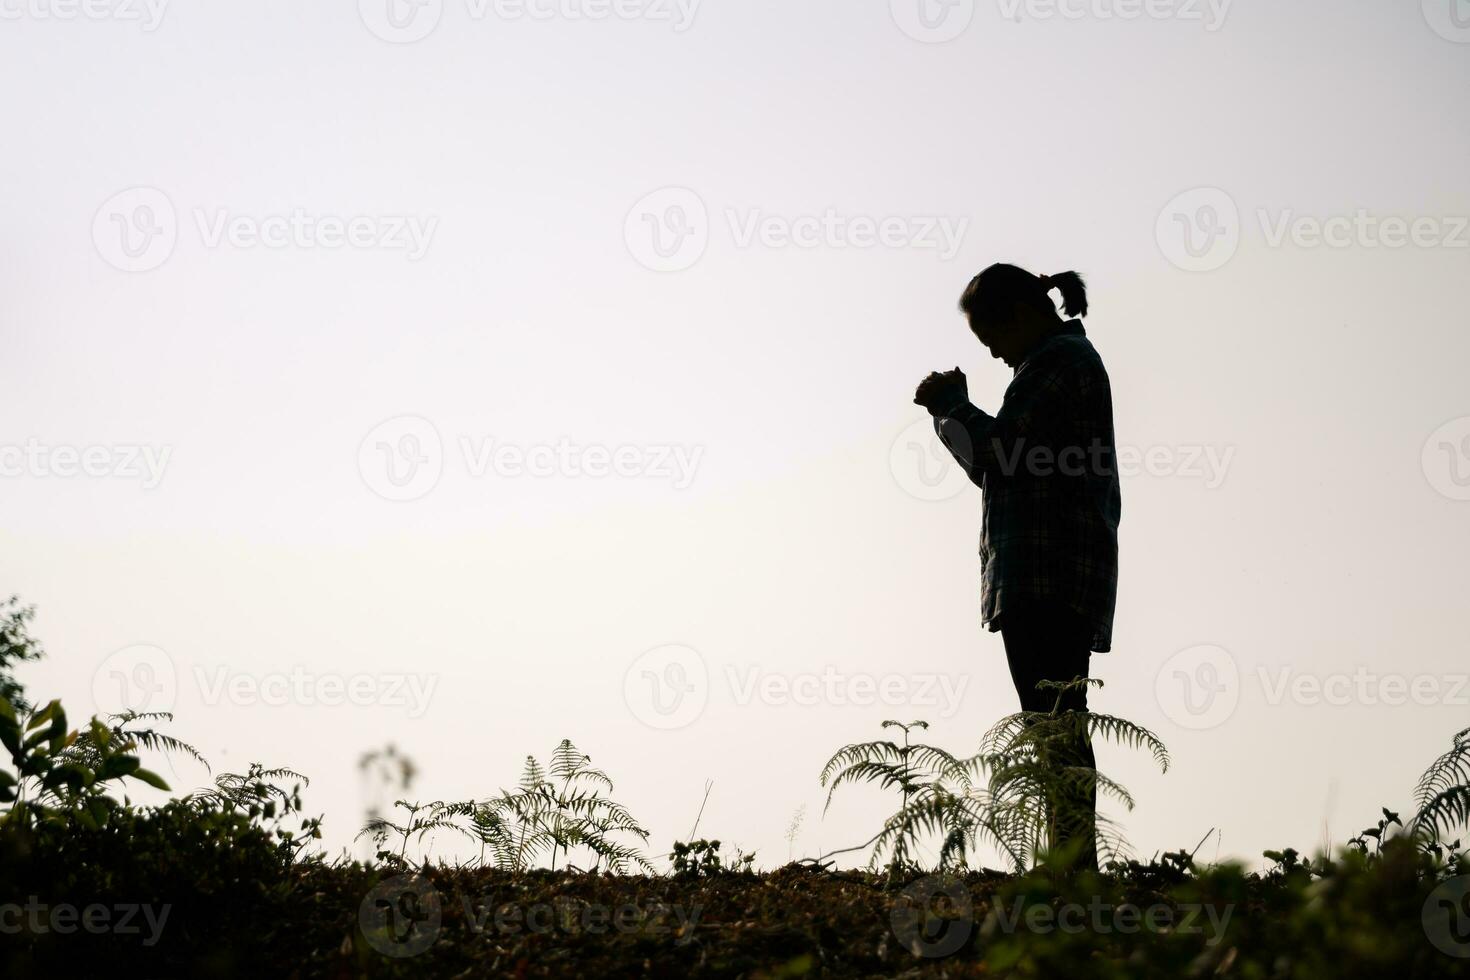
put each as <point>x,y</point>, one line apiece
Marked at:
<point>1073,290</point>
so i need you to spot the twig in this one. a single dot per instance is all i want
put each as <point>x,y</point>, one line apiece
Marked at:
<point>845,850</point>
<point>1201,843</point>
<point>708,785</point>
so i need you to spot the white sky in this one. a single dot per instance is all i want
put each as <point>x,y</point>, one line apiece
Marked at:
<point>1326,547</point>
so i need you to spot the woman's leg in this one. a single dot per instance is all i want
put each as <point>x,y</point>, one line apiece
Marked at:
<point>1052,643</point>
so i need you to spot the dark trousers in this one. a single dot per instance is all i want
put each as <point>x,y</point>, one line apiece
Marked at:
<point>1045,642</point>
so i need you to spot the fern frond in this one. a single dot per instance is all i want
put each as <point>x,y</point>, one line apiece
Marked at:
<point>860,752</point>
<point>1125,732</point>
<point>1445,810</point>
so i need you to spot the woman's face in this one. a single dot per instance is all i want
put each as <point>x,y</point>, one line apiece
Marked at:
<point>1009,339</point>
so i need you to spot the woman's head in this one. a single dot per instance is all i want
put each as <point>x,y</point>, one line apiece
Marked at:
<point>1010,310</point>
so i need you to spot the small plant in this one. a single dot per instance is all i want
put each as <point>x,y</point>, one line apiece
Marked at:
<point>1029,756</point>
<point>1376,833</point>
<point>555,810</point>
<point>936,791</point>
<point>256,796</point>
<point>1165,870</point>
<point>793,829</point>
<point>60,775</point>
<point>421,819</point>
<point>16,646</point>
<point>1289,862</point>
<point>701,858</point>
<point>1032,770</point>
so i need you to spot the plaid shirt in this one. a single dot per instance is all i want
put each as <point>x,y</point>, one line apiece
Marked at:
<point>1047,465</point>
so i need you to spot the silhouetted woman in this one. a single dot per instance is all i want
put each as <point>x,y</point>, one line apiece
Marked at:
<point>1051,501</point>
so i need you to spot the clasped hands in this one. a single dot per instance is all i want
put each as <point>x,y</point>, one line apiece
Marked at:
<point>942,391</point>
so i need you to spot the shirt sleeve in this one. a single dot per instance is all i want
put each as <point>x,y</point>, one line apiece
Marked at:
<point>1038,412</point>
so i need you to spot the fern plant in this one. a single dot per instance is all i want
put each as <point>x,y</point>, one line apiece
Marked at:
<point>938,797</point>
<point>1030,758</point>
<point>420,820</point>
<point>257,795</point>
<point>556,809</point>
<point>1443,793</point>
<point>58,775</point>
<point>512,826</point>
<point>122,729</point>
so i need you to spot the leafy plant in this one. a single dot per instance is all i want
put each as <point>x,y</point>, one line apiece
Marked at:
<point>557,809</point>
<point>256,796</point>
<point>511,826</point>
<point>122,729</point>
<point>937,793</point>
<point>421,819</point>
<point>701,858</point>
<point>1032,768</point>
<point>59,775</point>
<point>1442,796</point>
<point>1443,793</point>
<point>1376,833</point>
<point>16,646</point>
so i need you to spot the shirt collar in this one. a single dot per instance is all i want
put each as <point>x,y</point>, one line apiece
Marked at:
<point>1069,328</point>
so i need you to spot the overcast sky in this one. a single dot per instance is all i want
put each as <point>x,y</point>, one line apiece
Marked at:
<point>471,375</point>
